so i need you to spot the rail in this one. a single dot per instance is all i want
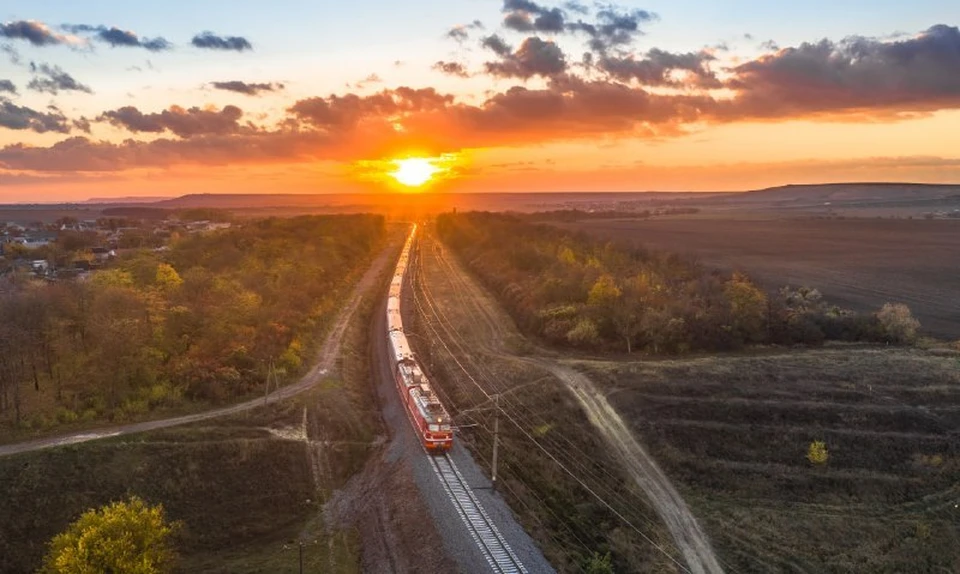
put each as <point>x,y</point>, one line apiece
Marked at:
<point>484,532</point>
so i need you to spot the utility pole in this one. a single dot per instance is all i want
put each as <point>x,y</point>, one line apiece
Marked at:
<point>496,437</point>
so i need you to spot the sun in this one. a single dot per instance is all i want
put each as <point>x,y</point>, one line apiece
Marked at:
<point>414,171</point>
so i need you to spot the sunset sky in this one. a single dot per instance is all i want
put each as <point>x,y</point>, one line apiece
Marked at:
<point>119,98</point>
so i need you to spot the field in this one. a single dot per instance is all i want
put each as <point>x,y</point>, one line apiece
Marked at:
<point>733,433</point>
<point>856,263</point>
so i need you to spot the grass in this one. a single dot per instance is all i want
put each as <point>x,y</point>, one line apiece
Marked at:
<point>244,494</point>
<point>733,434</point>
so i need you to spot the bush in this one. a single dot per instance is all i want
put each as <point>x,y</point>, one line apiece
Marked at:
<point>584,334</point>
<point>898,323</point>
<point>817,453</point>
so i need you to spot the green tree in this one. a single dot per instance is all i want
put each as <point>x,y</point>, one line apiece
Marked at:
<point>123,537</point>
<point>598,564</point>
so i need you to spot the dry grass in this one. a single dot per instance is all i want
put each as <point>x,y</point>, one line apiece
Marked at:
<point>733,433</point>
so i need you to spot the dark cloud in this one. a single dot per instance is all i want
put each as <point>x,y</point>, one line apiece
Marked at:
<point>345,112</point>
<point>451,68</point>
<point>655,69</point>
<point>461,32</point>
<point>909,75</point>
<point>82,154</point>
<point>613,27</point>
<point>12,54</point>
<point>7,86</point>
<point>249,89</point>
<point>497,45</point>
<point>534,57</point>
<point>527,16</point>
<point>16,117</point>
<point>769,45</point>
<point>120,38</point>
<point>211,41</point>
<point>185,123</point>
<point>576,7</point>
<point>52,80</point>
<point>37,33</point>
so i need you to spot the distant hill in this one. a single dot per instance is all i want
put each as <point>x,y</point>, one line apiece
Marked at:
<point>124,200</point>
<point>840,194</point>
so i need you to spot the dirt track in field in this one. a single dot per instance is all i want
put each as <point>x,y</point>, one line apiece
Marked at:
<point>687,533</point>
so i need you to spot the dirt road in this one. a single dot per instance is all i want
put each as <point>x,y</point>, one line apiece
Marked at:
<point>325,361</point>
<point>670,506</point>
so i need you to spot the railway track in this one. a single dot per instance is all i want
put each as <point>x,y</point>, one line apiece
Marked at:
<point>484,532</point>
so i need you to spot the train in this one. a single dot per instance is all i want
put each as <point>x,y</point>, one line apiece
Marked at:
<point>429,418</point>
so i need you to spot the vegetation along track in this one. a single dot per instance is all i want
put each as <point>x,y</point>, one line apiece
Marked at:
<point>326,358</point>
<point>688,536</point>
<point>483,531</point>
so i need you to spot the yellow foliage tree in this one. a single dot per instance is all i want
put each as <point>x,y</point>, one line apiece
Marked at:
<point>129,537</point>
<point>817,453</point>
<point>167,277</point>
<point>604,292</point>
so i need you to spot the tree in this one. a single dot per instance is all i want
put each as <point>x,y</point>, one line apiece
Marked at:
<point>123,537</point>
<point>898,323</point>
<point>604,292</point>
<point>817,453</point>
<point>167,277</point>
<point>598,564</point>
<point>748,307</point>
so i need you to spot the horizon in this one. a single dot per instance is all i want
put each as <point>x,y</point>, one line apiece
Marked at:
<point>114,100</point>
<point>132,199</point>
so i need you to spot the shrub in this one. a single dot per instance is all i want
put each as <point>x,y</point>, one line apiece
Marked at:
<point>817,453</point>
<point>898,323</point>
<point>584,334</point>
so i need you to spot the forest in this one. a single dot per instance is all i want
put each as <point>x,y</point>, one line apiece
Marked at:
<point>572,290</point>
<point>205,319</point>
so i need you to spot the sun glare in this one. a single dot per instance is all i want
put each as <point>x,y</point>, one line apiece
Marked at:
<point>414,171</point>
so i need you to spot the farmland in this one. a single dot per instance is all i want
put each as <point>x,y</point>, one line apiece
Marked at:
<point>732,432</point>
<point>856,263</point>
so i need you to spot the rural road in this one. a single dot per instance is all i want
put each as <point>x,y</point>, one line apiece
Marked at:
<point>669,505</point>
<point>327,355</point>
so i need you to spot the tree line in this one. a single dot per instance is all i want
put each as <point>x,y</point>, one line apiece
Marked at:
<point>207,319</point>
<point>570,289</point>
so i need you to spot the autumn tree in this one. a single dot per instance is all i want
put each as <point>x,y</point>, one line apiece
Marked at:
<point>898,323</point>
<point>128,537</point>
<point>748,308</point>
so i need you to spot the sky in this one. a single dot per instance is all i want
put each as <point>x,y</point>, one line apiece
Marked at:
<point>117,98</point>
